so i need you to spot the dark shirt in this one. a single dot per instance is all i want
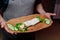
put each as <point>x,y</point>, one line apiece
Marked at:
<point>3,5</point>
<point>48,5</point>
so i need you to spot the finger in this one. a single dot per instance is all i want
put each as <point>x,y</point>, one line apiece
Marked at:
<point>2,25</point>
<point>53,14</point>
<point>15,33</point>
<point>49,17</point>
<point>8,30</point>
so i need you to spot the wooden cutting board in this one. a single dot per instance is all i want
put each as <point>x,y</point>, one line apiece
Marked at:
<point>34,28</point>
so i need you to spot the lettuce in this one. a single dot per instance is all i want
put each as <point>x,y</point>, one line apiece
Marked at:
<point>24,29</point>
<point>40,19</point>
<point>18,27</point>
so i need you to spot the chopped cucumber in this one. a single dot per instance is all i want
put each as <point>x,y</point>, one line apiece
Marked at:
<point>40,19</point>
<point>16,29</point>
<point>11,26</point>
<point>47,21</point>
<point>24,29</point>
<point>18,24</point>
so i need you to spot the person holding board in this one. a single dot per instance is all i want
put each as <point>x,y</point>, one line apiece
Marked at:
<point>16,8</point>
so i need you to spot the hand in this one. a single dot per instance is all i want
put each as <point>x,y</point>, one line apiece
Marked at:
<point>3,25</point>
<point>50,14</point>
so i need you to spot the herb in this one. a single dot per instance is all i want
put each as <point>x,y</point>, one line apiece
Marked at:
<point>24,29</point>
<point>40,19</point>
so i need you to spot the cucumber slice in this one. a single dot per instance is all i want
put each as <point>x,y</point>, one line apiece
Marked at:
<point>47,21</point>
<point>11,26</point>
<point>16,29</point>
<point>40,19</point>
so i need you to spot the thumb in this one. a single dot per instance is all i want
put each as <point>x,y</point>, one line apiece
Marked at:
<point>9,31</point>
<point>2,25</point>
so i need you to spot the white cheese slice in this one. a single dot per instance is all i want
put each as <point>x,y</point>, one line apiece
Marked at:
<point>31,22</point>
<point>22,26</point>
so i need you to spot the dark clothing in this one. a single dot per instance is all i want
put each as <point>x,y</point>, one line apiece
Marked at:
<point>3,6</point>
<point>21,36</point>
<point>48,5</point>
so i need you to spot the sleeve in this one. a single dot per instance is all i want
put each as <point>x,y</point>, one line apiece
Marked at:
<point>35,5</point>
<point>3,5</point>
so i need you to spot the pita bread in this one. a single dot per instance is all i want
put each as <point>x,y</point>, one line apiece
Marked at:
<point>34,28</point>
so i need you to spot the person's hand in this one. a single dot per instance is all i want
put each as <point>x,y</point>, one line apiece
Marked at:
<point>3,25</point>
<point>50,14</point>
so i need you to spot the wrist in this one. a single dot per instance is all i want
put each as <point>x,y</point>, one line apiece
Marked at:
<point>42,12</point>
<point>1,19</point>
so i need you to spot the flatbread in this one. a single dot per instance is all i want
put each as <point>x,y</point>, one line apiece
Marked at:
<point>34,28</point>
